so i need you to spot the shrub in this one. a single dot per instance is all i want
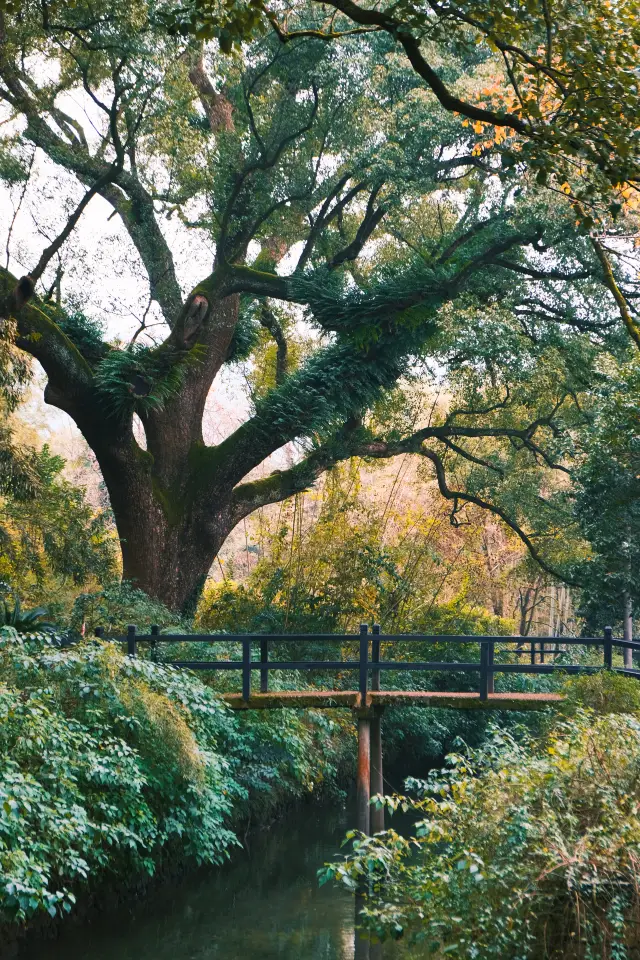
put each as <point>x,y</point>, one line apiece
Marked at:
<point>521,850</point>
<point>110,765</point>
<point>105,761</point>
<point>604,692</point>
<point>117,605</point>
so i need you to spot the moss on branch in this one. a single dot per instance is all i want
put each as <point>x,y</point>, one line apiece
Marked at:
<point>40,336</point>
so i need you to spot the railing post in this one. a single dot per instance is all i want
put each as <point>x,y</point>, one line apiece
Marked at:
<point>375,657</point>
<point>246,668</point>
<point>608,648</point>
<point>155,632</point>
<point>264,671</point>
<point>131,640</point>
<point>99,632</point>
<point>364,663</point>
<point>491,652</point>
<point>533,652</point>
<point>484,670</point>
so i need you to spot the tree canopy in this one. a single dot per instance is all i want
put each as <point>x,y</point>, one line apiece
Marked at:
<point>560,77</point>
<point>323,187</point>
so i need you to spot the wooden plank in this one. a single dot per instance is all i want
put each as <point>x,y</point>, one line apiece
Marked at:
<point>326,699</point>
<point>297,699</point>
<point>464,701</point>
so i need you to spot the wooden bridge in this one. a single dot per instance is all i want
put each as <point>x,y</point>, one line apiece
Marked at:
<point>367,698</point>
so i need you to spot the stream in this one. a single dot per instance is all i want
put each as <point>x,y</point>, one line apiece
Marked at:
<point>264,905</point>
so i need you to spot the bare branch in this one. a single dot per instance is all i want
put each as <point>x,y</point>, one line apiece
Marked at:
<point>459,495</point>
<point>49,252</point>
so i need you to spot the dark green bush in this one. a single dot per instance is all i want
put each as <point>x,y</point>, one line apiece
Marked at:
<point>109,765</point>
<point>604,692</point>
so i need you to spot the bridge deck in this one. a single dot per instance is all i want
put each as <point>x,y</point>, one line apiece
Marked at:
<point>325,699</point>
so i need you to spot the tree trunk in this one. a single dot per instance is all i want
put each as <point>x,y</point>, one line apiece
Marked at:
<point>168,541</point>
<point>171,525</point>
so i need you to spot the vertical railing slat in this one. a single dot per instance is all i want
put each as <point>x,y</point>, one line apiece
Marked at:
<point>608,648</point>
<point>364,662</point>
<point>375,657</point>
<point>264,671</point>
<point>131,640</point>
<point>491,653</point>
<point>246,668</point>
<point>484,673</point>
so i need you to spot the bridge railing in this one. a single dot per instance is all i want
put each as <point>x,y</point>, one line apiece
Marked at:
<point>370,664</point>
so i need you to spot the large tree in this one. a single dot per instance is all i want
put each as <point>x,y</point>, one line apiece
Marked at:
<point>327,181</point>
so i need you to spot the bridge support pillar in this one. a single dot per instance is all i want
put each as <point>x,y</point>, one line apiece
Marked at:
<point>363,793</point>
<point>363,799</point>
<point>377,781</point>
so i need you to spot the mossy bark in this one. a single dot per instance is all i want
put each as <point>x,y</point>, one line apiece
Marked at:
<point>173,501</point>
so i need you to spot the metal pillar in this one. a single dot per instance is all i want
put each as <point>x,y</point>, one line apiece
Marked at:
<point>376,813</point>
<point>363,795</point>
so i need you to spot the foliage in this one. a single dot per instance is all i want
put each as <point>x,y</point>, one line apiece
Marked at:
<point>607,498</point>
<point>87,334</point>
<point>15,367</point>
<point>22,621</point>
<point>337,194</point>
<point>560,87</point>
<point>336,557</point>
<point>141,379</point>
<point>604,692</point>
<point>521,849</point>
<point>105,763</point>
<point>118,604</point>
<point>111,766</point>
<point>51,537</point>
<point>19,474</point>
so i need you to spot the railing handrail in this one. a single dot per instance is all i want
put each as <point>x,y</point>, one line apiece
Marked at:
<point>371,666</point>
<point>384,637</point>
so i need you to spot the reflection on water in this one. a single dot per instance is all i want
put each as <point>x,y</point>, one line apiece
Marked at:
<point>265,905</point>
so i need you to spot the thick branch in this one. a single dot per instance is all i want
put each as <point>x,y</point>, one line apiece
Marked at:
<point>369,223</point>
<point>69,374</point>
<point>218,109</point>
<point>279,485</point>
<point>382,20</point>
<point>459,495</point>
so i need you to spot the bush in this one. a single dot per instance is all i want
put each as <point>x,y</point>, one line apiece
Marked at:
<point>604,692</point>
<point>117,605</point>
<point>105,761</point>
<point>110,765</point>
<point>521,850</point>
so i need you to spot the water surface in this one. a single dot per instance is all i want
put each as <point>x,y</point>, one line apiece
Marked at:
<point>264,905</point>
